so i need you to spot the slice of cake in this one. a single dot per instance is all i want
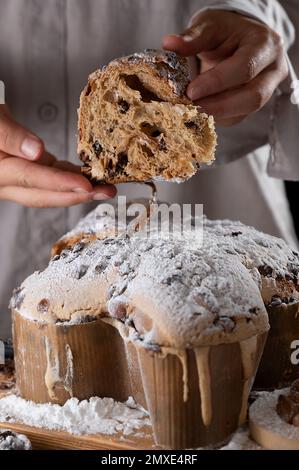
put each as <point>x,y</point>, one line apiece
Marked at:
<point>137,124</point>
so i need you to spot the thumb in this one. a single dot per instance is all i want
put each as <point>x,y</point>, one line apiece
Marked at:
<point>201,37</point>
<point>18,141</point>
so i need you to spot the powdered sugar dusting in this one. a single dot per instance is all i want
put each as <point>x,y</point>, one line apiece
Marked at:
<point>93,416</point>
<point>10,440</point>
<point>174,291</point>
<point>263,413</point>
<point>241,440</point>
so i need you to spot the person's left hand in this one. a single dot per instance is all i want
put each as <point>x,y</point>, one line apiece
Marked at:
<point>242,63</point>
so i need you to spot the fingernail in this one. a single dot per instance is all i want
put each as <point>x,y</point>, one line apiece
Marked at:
<point>80,190</point>
<point>31,147</point>
<point>194,93</point>
<point>100,196</point>
<point>187,38</point>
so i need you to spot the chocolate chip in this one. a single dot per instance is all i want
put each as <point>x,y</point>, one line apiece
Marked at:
<point>97,147</point>
<point>89,318</point>
<point>190,125</point>
<point>162,144</point>
<point>100,216</point>
<point>172,278</point>
<point>121,289</point>
<point>265,270</point>
<point>108,241</point>
<point>100,267</point>
<point>254,310</point>
<point>156,133</point>
<point>82,271</point>
<point>78,247</point>
<point>123,106</point>
<point>64,253</point>
<point>121,162</point>
<point>236,234</point>
<point>43,306</point>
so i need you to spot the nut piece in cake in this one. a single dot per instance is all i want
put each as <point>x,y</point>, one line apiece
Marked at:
<point>137,124</point>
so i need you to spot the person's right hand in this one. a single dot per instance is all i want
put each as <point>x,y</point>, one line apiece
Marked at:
<point>30,176</point>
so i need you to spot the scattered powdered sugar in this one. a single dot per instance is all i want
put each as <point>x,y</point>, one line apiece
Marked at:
<point>9,440</point>
<point>263,413</point>
<point>93,416</point>
<point>241,440</point>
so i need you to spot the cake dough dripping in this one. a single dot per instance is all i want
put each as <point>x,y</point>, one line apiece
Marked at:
<point>52,375</point>
<point>140,223</point>
<point>154,198</point>
<point>204,378</point>
<point>248,350</point>
<point>181,354</point>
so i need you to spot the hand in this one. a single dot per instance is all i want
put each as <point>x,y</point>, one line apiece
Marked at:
<point>31,176</point>
<point>242,63</point>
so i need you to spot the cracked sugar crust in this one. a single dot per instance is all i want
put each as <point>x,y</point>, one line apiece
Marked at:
<point>137,124</point>
<point>170,292</point>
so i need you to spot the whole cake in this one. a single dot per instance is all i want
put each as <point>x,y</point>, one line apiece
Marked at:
<point>137,124</point>
<point>177,324</point>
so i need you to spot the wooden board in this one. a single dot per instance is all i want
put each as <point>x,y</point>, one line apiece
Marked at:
<point>44,439</point>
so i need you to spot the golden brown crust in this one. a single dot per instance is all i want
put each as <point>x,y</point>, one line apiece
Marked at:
<point>137,124</point>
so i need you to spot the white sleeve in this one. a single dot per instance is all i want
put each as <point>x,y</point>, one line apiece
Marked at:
<point>277,123</point>
<point>268,11</point>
